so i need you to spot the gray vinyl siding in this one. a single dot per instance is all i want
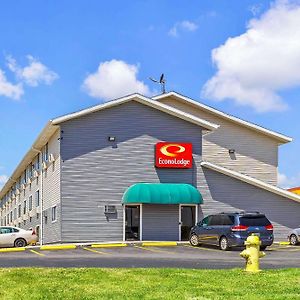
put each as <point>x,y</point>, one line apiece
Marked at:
<point>160,222</point>
<point>256,154</point>
<point>51,192</point>
<point>224,193</point>
<point>96,172</point>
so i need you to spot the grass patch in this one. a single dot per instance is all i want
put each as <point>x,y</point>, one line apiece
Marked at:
<point>83,283</point>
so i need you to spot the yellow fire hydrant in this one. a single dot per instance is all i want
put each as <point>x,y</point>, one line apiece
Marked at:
<point>252,254</point>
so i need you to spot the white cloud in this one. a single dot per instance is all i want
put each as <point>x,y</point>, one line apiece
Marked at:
<point>253,67</point>
<point>33,74</point>
<point>7,89</point>
<point>182,26</point>
<point>3,179</point>
<point>114,78</point>
<point>288,182</point>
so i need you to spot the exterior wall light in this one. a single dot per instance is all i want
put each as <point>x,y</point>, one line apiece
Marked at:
<point>111,138</point>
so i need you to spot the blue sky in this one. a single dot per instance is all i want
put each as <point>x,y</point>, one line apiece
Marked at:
<point>241,57</point>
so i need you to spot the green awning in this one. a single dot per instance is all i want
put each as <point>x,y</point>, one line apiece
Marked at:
<point>162,193</point>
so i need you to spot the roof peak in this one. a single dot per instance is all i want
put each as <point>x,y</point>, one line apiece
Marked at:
<point>283,139</point>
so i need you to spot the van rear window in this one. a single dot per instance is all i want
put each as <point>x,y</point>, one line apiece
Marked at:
<point>254,221</point>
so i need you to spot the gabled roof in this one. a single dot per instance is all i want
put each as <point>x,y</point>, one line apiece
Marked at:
<point>252,181</point>
<point>52,126</point>
<point>282,139</point>
<point>143,100</point>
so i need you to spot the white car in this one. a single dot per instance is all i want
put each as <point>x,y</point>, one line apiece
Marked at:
<point>16,237</point>
<point>294,236</point>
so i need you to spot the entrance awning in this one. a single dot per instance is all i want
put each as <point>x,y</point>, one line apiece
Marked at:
<point>162,193</point>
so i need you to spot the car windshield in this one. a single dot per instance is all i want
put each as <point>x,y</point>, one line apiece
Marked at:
<point>254,221</point>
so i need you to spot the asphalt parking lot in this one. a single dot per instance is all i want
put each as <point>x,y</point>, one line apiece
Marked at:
<point>133,256</point>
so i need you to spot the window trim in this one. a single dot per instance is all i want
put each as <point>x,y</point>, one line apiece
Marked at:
<point>54,208</point>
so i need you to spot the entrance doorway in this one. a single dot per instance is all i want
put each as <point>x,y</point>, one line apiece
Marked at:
<point>132,222</point>
<point>187,215</point>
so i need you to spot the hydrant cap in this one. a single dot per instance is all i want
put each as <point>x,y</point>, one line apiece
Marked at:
<point>253,240</point>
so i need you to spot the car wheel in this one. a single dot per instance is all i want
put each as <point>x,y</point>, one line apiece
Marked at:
<point>293,239</point>
<point>262,248</point>
<point>223,243</point>
<point>194,240</point>
<point>20,243</point>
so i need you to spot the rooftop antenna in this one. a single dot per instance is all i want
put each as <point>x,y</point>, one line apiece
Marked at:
<point>161,81</point>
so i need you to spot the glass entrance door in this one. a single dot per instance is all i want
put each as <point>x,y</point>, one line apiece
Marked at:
<point>132,222</point>
<point>188,220</point>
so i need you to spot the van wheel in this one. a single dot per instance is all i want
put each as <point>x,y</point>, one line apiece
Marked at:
<point>223,243</point>
<point>293,240</point>
<point>194,240</point>
<point>20,243</point>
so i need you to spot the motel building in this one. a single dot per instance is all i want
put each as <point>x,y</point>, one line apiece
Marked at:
<point>139,168</point>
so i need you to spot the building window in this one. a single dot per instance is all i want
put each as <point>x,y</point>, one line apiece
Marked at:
<point>30,203</point>
<point>24,207</point>
<point>15,213</point>
<point>38,162</point>
<point>45,156</point>
<point>37,198</point>
<point>25,176</point>
<point>53,215</point>
<point>30,170</point>
<point>19,211</point>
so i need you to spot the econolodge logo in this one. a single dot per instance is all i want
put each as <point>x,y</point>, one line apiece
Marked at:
<point>173,155</point>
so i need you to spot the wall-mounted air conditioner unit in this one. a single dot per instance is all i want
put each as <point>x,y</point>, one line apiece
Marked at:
<point>44,165</point>
<point>36,173</point>
<point>23,186</point>
<point>17,191</point>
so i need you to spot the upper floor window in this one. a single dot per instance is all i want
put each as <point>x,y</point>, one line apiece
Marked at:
<point>37,163</point>
<point>19,210</point>
<point>30,203</point>
<point>45,153</point>
<point>37,198</point>
<point>25,176</point>
<point>24,207</point>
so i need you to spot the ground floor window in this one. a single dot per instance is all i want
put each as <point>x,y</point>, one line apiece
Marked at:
<point>53,214</point>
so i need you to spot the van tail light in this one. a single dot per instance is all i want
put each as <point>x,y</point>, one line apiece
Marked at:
<point>269,227</point>
<point>239,228</point>
<point>33,232</point>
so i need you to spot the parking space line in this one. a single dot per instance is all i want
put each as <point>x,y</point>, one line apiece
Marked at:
<point>154,250</point>
<point>37,253</point>
<point>95,251</point>
<point>202,248</point>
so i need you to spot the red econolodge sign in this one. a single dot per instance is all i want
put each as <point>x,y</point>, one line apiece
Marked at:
<point>173,155</point>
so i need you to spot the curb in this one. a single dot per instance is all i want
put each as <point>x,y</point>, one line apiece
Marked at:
<point>12,249</point>
<point>58,247</point>
<point>108,245</point>
<point>284,243</point>
<point>159,244</point>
